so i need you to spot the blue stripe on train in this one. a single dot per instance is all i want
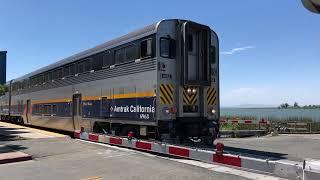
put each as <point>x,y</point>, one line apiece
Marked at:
<point>126,108</point>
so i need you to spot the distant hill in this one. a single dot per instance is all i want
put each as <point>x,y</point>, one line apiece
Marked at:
<point>251,106</point>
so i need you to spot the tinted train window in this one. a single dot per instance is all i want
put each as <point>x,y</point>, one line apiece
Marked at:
<point>190,43</point>
<point>119,56</point>
<point>88,65</point>
<point>73,69</point>
<point>60,73</point>
<point>81,67</point>
<point>125,54</point>
<point>66,71</point>
<point>130,52</point>
<point>167,48</point>
<point>54,109</point>
<point>50,76</point>
<point>55,74</point>
<point>146,48</point>
<point>107,59</point>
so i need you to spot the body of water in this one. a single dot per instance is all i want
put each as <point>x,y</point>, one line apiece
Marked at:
<point>273,113</point>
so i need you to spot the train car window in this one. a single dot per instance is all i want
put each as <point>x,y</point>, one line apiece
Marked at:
<point>46,109</point>
<point>146,48</point>
<point>55,74</point>
<point>130,52</point>
<point>41,79</point>
<point>66,71</point>
<point>54,109</point>
<point>60,73</point>
<point>119,56</point>
<point>25,84</point>
<point>36,80</point>
<point>167,48</point>
<point>73,69</point>
<point>50,76</point>
<point>88,65</point>
<point>81,67</point>
<point>107,59</point>
<point>46,78</point>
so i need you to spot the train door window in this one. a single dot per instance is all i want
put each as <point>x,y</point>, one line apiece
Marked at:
<point>88,65</point>
<point>146,48</point>
<point>167,48</point>
<point>107,59</point>
<point>190,43</point>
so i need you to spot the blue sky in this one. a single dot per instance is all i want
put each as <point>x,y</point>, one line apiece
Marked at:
<point>269,50</point>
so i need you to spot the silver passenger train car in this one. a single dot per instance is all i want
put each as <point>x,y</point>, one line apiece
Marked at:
<point>160,82</point>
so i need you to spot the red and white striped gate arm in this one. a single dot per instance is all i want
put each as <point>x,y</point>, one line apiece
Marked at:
<point>281,168</point>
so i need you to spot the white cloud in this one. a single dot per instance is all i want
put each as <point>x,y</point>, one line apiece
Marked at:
<point>234,50</point>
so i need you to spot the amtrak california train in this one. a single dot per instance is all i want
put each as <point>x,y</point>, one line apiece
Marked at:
<point>160,82</point>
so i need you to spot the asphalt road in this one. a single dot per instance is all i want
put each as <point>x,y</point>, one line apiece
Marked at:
<point>296,147</point>
<point>66,158</point>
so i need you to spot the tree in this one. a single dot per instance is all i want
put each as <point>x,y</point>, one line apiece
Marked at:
<point>286,105</point>
<point>3,89</point>
<point>295,105</point>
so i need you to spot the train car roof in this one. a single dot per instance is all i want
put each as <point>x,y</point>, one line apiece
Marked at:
<point>150,29</point>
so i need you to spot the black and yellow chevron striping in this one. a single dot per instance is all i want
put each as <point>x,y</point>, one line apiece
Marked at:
<point>189,99</point>
<point>211,96</point>
<point>166,94</point>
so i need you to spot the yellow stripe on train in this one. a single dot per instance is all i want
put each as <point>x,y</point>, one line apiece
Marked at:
<point>166,93</point>
<point>189,99</point>
<point>211,96</point>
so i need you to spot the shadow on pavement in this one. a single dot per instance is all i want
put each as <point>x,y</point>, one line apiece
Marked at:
<point>11,148</point>
<point>255,153</point>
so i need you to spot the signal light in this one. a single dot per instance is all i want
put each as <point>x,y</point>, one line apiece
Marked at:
<point>189,90</point>
<point>211,110</point>
<point>173,110</point>
<point>194,91</point>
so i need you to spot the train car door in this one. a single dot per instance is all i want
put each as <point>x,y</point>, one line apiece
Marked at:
<point>28,113</point>
<point>196,68</point>
<point>76,111</point>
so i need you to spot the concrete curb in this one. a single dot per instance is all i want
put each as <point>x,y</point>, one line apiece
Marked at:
<point>12,157</point>
<point>282,168</point>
